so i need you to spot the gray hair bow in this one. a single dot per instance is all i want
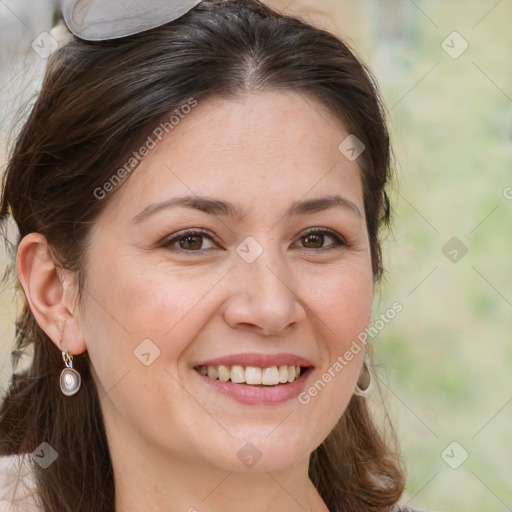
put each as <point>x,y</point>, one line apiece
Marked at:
<point>97,20</point>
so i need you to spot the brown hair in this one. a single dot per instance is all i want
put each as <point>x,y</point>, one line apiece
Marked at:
<point>98,101</point>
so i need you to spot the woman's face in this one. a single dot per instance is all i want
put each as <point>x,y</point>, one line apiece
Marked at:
<point>245,290</point>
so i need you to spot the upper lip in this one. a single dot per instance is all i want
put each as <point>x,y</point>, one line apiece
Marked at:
<point>258,360</point>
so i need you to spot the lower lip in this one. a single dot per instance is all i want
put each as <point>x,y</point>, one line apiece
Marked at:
<point>258,395</point>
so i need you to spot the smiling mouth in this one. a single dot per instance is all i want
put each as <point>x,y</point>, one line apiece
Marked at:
<point>252,375</point>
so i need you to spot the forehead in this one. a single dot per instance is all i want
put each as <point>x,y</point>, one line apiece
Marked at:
<point>280,145</point>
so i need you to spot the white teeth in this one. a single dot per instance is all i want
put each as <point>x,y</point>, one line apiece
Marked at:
<point>270,376</point>
<point>224,373</point>
<point>252,375</point>
<point>237,374</point>
<point>283,374</point>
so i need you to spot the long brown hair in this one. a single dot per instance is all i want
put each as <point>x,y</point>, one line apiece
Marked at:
<point>99,101</point>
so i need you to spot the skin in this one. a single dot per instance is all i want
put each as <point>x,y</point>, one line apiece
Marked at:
<point>174,442</point>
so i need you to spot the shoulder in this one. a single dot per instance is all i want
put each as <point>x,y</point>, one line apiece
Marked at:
<point>17,484</point>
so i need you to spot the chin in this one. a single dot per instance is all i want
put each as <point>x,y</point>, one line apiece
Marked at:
<point>259,452</point>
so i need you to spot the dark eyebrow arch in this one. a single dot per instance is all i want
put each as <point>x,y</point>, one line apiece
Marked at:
<point>226,209</point>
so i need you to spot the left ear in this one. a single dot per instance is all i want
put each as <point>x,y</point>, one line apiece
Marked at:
<point>49,291</point>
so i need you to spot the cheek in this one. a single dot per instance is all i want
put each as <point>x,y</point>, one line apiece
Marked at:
<point>343,301</point>
<point>349,313</point>
<point>140,300</point>
<point>133,311</point>
<point>343,304</point>
<point>139,324</point>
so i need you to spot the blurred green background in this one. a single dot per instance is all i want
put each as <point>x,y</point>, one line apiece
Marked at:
<point>444,362</point>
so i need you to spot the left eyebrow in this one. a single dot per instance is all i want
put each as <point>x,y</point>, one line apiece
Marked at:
<point>225,208</point>
<point>323,203</point>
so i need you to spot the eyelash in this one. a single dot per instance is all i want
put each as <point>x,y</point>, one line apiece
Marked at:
<point>340,243</point>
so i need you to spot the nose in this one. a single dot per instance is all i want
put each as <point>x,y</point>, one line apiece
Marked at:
<point>264,297</point>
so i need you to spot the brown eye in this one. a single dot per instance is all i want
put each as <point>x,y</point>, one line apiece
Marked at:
<point>315,239</point>
<point>188,241</point>
<point>191,242</point>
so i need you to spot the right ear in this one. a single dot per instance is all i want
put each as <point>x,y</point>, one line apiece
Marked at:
<point>49,292</point>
